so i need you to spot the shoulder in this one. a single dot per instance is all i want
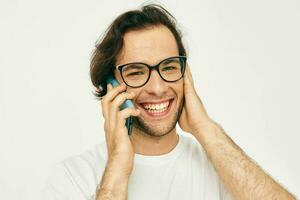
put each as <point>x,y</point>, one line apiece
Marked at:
<point>201,161</point>
<point>198,155</point>
<point>87,165</point>
<point>193,147</point>
<point>88,161</point>
<point>77,175</point>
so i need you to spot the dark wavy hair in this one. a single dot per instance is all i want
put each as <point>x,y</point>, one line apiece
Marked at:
<point>103,58</point>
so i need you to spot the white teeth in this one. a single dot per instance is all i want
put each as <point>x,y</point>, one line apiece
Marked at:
<point>154,108</point>
<point>157,111</point>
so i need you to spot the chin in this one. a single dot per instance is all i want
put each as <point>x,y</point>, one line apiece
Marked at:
<point>151,129</point>
<point>158,127</point>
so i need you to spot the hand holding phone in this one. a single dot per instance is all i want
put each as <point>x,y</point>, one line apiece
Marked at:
<point>119,146</point>
<point>127,104</point>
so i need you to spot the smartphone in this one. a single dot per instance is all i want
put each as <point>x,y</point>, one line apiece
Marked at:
<point>127,104</point>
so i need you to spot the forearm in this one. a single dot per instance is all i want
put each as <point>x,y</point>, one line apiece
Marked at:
<point>242,177</point>
<point>114,183</point>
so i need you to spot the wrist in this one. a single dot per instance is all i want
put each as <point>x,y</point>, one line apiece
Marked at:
<point>207,133</point>
<point>120,166</point>
<point>114,183</point>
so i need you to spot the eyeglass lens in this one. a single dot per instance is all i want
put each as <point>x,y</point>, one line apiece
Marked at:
<point>136,74</point>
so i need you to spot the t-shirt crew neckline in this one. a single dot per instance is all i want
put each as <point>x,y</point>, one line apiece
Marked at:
<point>160,159</point>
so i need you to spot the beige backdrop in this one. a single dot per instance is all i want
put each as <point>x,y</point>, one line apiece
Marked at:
<point>244,56</point>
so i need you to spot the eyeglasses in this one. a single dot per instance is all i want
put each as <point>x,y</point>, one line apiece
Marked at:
<point>137,74</point>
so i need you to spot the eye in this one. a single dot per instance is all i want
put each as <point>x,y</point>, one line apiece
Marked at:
<point>135,73</point>
<point>168,68</point>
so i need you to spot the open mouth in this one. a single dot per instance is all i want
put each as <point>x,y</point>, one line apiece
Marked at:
<point>157,109</point>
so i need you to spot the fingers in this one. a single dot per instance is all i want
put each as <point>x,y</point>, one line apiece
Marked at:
<point>112,92</point>
<point>111,103</point>
<point>188,76</point>
<point>120,99</point>
<point>188,82</point>
<point>116,103</point>
<point>124,114</point>
<point>110,95</point>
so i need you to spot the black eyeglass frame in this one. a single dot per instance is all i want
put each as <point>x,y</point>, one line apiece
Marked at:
<point>154,67</point>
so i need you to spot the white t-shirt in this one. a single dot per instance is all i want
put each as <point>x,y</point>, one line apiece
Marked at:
<point>183,173</point>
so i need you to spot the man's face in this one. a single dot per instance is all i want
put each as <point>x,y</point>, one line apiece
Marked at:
<point>160,102</point>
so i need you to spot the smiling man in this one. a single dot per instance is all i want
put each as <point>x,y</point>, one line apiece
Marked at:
<point>143,50</point>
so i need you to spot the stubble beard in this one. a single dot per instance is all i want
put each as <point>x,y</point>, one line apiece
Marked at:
<point>159,130</point>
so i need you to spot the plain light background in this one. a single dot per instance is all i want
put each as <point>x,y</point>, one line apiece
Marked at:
<point>244,56</point>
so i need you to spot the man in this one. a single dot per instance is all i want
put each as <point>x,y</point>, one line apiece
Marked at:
<point>143,50</point>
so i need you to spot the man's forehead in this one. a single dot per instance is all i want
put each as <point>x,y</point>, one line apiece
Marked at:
<point>149,45</point>
<point>148,55</point>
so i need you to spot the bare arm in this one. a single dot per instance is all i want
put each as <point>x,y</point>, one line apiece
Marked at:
<point>114,183</point>
<point>242,176</point>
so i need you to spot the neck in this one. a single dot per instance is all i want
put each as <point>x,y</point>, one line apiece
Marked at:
<point>149,145</point>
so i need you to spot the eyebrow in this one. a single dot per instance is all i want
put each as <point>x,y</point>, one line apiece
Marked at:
<point>168,61</point>
<point>134,66</point>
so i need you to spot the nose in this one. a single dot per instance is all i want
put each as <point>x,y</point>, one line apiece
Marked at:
<point>156,86</point>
